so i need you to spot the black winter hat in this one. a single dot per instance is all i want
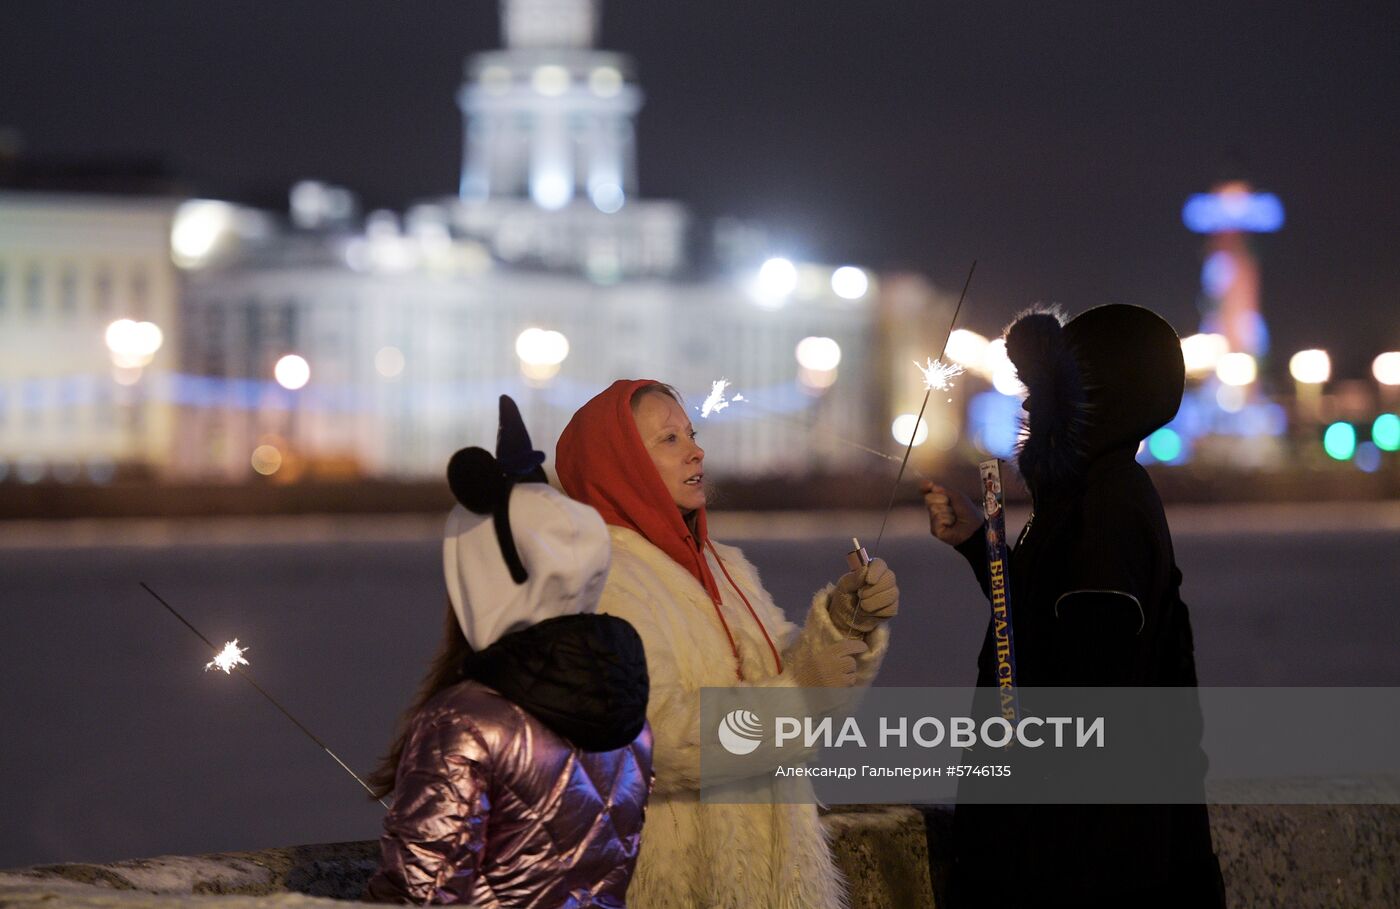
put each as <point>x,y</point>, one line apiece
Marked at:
<point>584,676</point>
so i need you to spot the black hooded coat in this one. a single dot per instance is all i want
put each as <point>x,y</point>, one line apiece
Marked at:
<point>1094,592</point>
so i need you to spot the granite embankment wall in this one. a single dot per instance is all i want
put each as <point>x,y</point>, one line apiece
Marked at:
<point>1300,857</point>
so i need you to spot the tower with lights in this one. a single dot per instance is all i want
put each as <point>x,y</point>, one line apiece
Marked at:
<point>549,172</point>
<point>1225,416</point>
<point>1230,275</point>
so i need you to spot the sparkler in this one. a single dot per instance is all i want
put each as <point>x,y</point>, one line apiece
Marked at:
<point>939,376</point>
<point>231,658</point>
<point>936,377</point>
<point>716,402</point>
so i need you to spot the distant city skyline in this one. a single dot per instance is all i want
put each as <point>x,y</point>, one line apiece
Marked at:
<point>1054,144</point>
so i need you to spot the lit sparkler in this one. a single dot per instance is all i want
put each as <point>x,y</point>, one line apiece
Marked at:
<point>773,414</point>
<point>716,401</point>
<point>939,376</point>
<point>931,382</point>
<point>229,657</point>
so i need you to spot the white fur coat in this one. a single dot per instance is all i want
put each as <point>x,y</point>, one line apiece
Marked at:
<point>720,856</point>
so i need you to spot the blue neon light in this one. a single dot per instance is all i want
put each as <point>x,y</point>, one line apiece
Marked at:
<point>1218,273</point>
<point>994,422</point>
<point>1368,457</point>
<point>1213,213</point>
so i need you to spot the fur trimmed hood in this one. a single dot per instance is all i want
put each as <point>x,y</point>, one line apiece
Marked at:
<point>1104,380</point>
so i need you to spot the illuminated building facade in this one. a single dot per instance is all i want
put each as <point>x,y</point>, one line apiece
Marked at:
<point>88,303</point>
<point>549,174</point>
<point>545,278</point>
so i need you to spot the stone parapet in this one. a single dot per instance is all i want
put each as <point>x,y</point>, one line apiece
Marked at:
<point>1296,856</point>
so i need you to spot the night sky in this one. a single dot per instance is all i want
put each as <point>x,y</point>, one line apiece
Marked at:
<point>1054,142</point>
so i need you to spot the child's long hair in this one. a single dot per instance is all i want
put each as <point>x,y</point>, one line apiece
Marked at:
<point>445,670</point>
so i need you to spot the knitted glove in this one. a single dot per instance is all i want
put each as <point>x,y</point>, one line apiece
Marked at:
<point>833,666</point>
<point>952,517</point>
<point>864,598</point>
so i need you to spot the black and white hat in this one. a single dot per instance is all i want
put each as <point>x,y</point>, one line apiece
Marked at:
<point>515,550</point>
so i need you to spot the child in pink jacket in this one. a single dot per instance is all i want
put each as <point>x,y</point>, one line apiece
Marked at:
<point>521,776</point>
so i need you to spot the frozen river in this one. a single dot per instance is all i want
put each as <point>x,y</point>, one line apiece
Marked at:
<point>117,744</point>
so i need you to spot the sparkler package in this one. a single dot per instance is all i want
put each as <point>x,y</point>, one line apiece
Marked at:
<point>999,588</point>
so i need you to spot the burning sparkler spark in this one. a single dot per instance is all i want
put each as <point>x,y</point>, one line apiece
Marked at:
<point>229,657</point>
<point>931,381</point>
<point>716,400</point>
<point>938,376</point>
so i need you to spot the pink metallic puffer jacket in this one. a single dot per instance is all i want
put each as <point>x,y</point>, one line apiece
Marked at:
<point>495,808</point>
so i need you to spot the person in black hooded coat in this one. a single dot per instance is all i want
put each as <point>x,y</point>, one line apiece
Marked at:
<point>1095,596</point>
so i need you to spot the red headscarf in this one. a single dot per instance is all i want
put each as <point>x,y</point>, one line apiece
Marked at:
<point>603,462</point>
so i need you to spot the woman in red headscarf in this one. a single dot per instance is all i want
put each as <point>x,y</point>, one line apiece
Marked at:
<point>706,621</point>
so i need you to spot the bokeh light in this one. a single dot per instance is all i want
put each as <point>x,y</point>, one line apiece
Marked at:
<point>1218,273</point>
<point>1202,352</point>
<point>904,426</point>
<point>1238,369</point>
<point>538,346</point>
<point>607,197</point>
<point>1385,432</point>
<point>1310,367</point>
<point>818,354</point>
<point>292,372</point>
<point>266,460</point>
<point>1165,445</point>
<point>198,227</point>
<point>777,278</point>
<point>1001,370</point>
<point>133,344</point>
<point>550,80</point>
<point>541,353</point>
<point>1368,457</point>
<point>551,189</point>
<point>605,81</point>
<point>1386,368</point>
<point>967,348</point>
<point>1339,441</point>
<point>849,282</point>
<point>1233,209</point>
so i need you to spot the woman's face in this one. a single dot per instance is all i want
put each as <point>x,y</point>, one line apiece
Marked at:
<point>670,440</point>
